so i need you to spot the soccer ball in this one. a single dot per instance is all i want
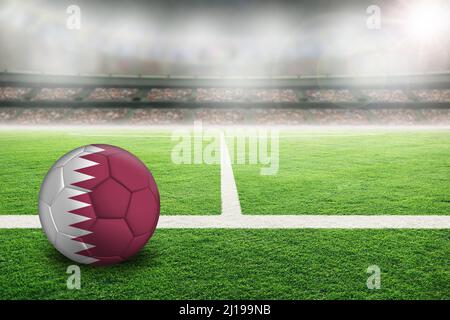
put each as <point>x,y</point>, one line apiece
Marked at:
<point>99,204</point>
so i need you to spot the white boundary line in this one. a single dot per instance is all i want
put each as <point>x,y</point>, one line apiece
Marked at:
<point>268,222</point>
<point>306,221</point>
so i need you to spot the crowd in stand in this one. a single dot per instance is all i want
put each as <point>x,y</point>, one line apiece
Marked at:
<point>169,94</point>
<point>40,116</point>
<point>97,116</point>
<point>8,115</point>
<point>56,94</point>
<point>272,95</point>
<point>238,95</point>
<point>157,116</point>
<point>220,116</point>
<point>13,93</point>
<point>430,95</point>
<point>330,96</point>
<point>220,95</point>
<point>112,94</point>
<point>353,116</point>
<point>380,95</point>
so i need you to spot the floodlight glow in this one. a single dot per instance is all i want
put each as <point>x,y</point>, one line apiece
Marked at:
<point>200,36</point>
<point>427,20</point>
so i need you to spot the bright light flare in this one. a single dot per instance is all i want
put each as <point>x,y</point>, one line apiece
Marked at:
<point>427,20</point>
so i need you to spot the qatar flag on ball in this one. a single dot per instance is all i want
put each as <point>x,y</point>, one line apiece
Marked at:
<point>99,204</point>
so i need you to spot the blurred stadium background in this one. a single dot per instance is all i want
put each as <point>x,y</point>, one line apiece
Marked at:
<point>269,62</point>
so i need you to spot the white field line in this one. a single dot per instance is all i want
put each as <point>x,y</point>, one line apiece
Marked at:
<point>306,135</point>
<point>307,221</point>
<point>269,222</point>
<point>231,206</point>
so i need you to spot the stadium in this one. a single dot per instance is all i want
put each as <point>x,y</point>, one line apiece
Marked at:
<point>331,157</point>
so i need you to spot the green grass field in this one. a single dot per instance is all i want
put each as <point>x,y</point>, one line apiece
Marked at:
<point>345,172</point>
<point>321,172</point>
<point>239,264</point>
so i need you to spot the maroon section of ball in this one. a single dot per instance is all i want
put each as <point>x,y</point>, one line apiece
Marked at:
<point>129,170</point>
<point>136,244</point>
<point>110,237</point>
<point>103,261</point>
<point>108,150</point>
<point>110,199</point>
<point>124,205</point>
<point>143,211</point>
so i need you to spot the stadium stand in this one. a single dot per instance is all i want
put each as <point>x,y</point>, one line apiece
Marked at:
<point>169,94</point>
<point>112,94</point>
<point>386,96</point>
<point>154,116</point>
<point>56,94</point>
<point>331,96</point>
<point>432,95</point>
<point>229,95</point>
<point>13,93</point>
<point>167,101</point>
<point>157,116</point>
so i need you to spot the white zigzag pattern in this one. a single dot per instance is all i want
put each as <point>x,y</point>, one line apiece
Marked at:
<point>63,205</point>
